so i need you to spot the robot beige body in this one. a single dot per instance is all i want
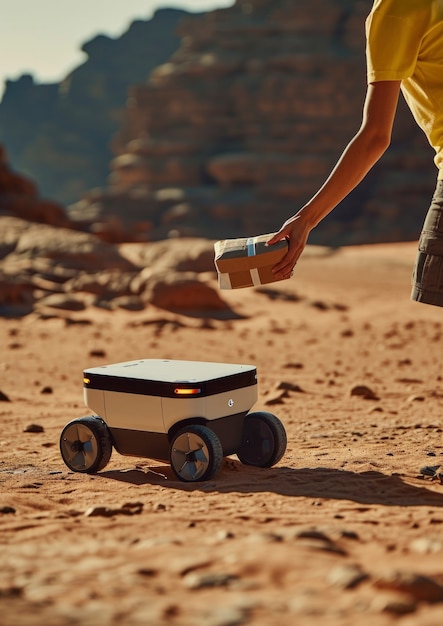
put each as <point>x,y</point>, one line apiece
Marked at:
<point>188,413</point>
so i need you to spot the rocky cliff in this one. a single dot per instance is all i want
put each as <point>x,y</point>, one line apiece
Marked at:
<point>48,267</point>
<point>59,134</point>
<point>20,198</point>
<point>245,121</point>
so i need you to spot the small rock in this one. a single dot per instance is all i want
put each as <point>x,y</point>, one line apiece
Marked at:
<point>364,392</point>
<point>416,398</point>
<point>33,428</point>
<point>11,592</point>
<point>147,571</point>
<point>376,409</point>
<point>129,303</point>
<point>201,581</point>
<point>7,509</point>
<point>348,332</point>
<point>395,606</point>
<point>290,387</point>
<point>421,588</point>
<point>296,365</point>
<point>312,533</point>
<point>321,306</point>
<point>277,398</point>
<point>130,508</point>
<point>47,390</point>
<point>317,540</point>
<point>223,535</point>
<point>267,537</point>
<point>347,576</point>
<point>62,301</point>
<point>349,534</point>
<point>4,397</point>
<point>97,353</point>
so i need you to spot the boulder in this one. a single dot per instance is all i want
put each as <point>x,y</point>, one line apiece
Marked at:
<point>19,197</point>
<point>182,292</point>
<point>44,268</point>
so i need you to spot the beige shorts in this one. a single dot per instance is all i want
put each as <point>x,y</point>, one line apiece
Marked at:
<point>427,279</point>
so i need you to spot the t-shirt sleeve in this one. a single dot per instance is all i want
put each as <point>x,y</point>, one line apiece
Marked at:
<point>392,46</point>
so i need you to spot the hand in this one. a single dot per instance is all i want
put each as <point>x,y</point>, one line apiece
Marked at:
<point>296,231</point>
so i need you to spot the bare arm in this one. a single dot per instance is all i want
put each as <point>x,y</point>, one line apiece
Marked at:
<point>362,152</point>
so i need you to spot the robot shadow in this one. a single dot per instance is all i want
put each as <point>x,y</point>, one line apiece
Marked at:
<point>370,487</point>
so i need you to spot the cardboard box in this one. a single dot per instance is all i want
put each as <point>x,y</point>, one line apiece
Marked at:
<point>247,262</point>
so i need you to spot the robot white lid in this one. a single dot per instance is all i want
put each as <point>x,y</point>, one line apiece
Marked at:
<point>170,370</point>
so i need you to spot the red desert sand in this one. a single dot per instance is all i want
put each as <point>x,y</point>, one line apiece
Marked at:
<point>346,529</point>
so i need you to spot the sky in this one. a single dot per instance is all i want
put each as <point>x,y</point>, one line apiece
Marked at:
<point>43,37</point>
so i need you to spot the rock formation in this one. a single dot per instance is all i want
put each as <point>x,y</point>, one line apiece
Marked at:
<point>245,121</point>
<point>19,197</point>
<point>53,271</point>
<point>50,268</point>
<point>59,134</point>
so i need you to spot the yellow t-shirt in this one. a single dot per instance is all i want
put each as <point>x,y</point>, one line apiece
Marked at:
<point>404,41</point>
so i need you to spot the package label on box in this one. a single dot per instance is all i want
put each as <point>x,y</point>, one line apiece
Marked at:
<point>247,261</point>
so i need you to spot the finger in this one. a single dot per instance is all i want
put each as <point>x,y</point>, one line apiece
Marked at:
<point>277,237</point>
<point>284,268</point>
<point>289,260</point>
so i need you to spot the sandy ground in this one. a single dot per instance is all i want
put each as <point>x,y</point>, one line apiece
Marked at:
<point>345,529</point>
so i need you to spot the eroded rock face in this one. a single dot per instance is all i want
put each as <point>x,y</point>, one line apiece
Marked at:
<point>45,268</point>
<point>60,132</point>
<point>245,121</point>
<point>19,197</point>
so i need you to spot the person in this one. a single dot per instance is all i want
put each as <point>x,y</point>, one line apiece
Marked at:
<point>404,52</point>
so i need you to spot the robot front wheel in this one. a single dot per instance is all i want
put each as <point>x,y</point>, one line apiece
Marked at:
<point>85,445</point>
<point>264,440</point>
<point>196,453</point>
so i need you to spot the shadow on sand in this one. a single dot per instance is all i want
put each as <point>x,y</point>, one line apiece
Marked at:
<point>364,488</point>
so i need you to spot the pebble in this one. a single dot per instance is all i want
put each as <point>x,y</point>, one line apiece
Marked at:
<point>317,540</point>
<point>347,576</point>
<point>277,398</point>
<point>364,392</point>
<point>421,588</point>
<point>201,581</point>
<point>288,386</point>
<point>268,537</point>
<point>33,428</point>
<point>11,592</point>
<point>97,353</point>
<point>4,397</point>
<point>223,535</point>
<point>7,509</point>
<point>130,508</point>
<point>395,606</point>
<point>416,398</point>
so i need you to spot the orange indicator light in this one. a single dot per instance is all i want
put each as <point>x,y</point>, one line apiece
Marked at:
<point>86,381</point>
<point>186,392</point>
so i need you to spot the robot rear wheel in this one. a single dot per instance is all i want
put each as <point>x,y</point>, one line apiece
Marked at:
<point>85,444</point>
<point>264,440</point>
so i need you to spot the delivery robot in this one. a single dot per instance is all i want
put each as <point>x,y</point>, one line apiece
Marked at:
<point>188,413</point>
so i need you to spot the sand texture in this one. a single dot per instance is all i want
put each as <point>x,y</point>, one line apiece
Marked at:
<point>346,529</point>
